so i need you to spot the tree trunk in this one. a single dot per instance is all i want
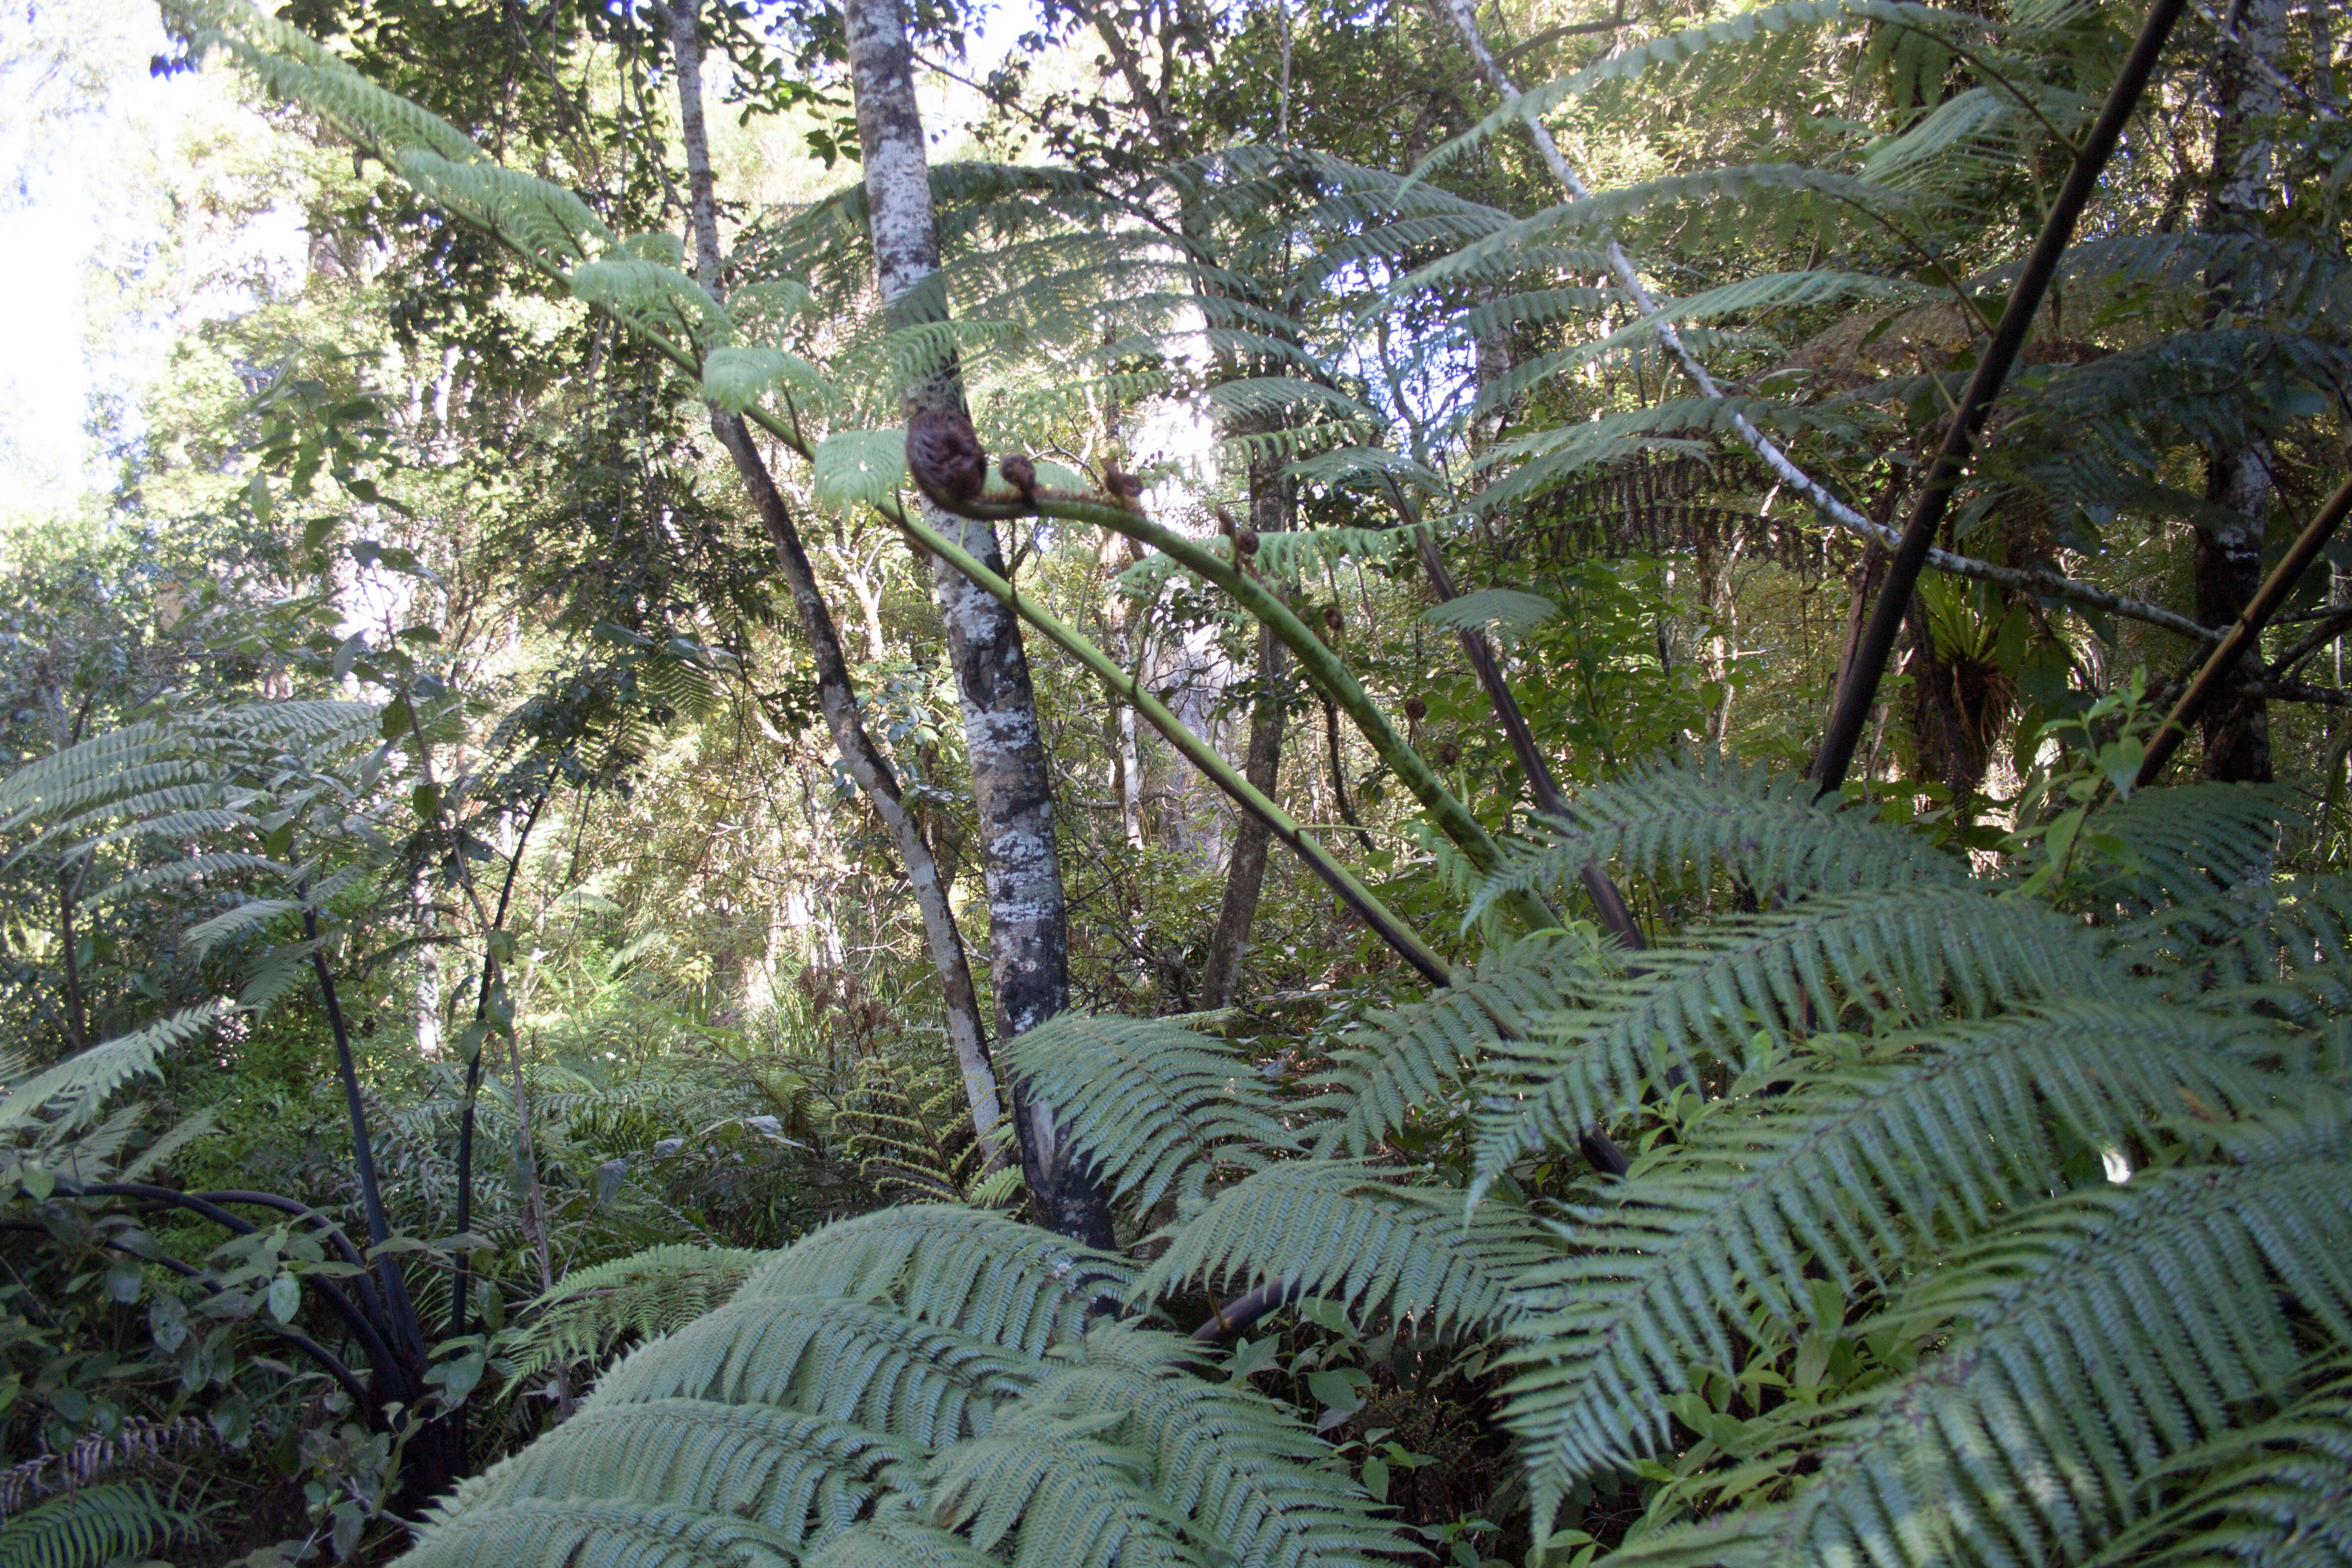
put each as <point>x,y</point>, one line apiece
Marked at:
<point>835,696</point>
<point>1028,930</point>
<point>1270,497</point>
<point>2229,555</point>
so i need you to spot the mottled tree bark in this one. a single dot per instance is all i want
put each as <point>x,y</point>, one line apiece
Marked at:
<point>1028,930</point>
<point>2238,479</point>
<point>837,698</point>
<point>1270,500</point>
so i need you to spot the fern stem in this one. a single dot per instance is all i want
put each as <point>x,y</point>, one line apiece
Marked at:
<point>1202,755</point>
<point>1606,898</point>
<point>360,1326</point>
<point>1850,709</point>
<point>400,1314</point>
<point>2223,660</point>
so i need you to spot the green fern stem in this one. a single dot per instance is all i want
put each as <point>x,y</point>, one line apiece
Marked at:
<point>1324,667</point>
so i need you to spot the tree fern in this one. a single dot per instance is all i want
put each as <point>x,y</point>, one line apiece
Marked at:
<point>2277,1492</point>
<point>1156,1108</point>
<point>1335,1229</point>
<point>1073,1497</point>
<point>597,1532</point>
<point>1218,1452</point>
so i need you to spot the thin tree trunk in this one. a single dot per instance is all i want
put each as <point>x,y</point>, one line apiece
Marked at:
<point>1270,496</point>
<point>1028,929</point>
<point>835,696</point>
<point>2229,555</point>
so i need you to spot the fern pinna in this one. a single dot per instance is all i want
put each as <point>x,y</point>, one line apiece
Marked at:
<point>1973,1225</point>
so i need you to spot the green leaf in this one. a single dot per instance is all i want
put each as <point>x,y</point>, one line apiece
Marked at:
<point>285,1298</point>
<point>857,466</point>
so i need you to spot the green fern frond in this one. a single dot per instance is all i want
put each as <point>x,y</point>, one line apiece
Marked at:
<point>1077,1501</point>
<point>1156,1109</point>
<point>2191,836</point>
<point>1845,1173</point>
<point>1248,1476</point>
<point>1663,56</point>
<point>1335,1229</point>
<point>1895,956</point>
<point>68,1095</point>
<point>1415,1055</point>
<point>2277,1494</point>
<point>801,1477</point>
<point>967,1271</point>
<point>93,1526</point>
<point>643,1295</point>
<point>822,1356</point>
<point>1508,613</point>
<point>2101,1334</point>
<point>595,1532</point>
<point>896,1537</point>
<point>1707,811</point>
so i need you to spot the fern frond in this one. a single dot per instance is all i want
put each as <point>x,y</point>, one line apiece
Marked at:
<point>1335,1229</point>
<point>1154,1107</point>
<point>966,1270</point>
<point>1413,1055</point>
<point>1846,1173</point>
<point>1246,1475</point>
<point>1896,956</point>
<point>69,1094</point>
<point>643,1295</point>
<point>1706,812</point>
<point>595,1532</point>
<point>1076,1502</point>
<point>822,1356</point>
<point>2101,1334</point>
<point>896,1537</point>
<point>2277,1494</point>
<point>801,1477</point>
<point>92,1526</point>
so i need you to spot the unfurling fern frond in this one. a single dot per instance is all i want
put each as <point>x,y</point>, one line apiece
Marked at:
<point>963,1269</point>
<point>1891,956</point>
<point>643,1295</point>
<point>1337,1229</point>
<point>1844,1174</point>
<point>1415,1055</point>
<point>1156,1108</point>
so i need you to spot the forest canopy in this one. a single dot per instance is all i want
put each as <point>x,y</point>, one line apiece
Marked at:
<point>1130,782</point>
